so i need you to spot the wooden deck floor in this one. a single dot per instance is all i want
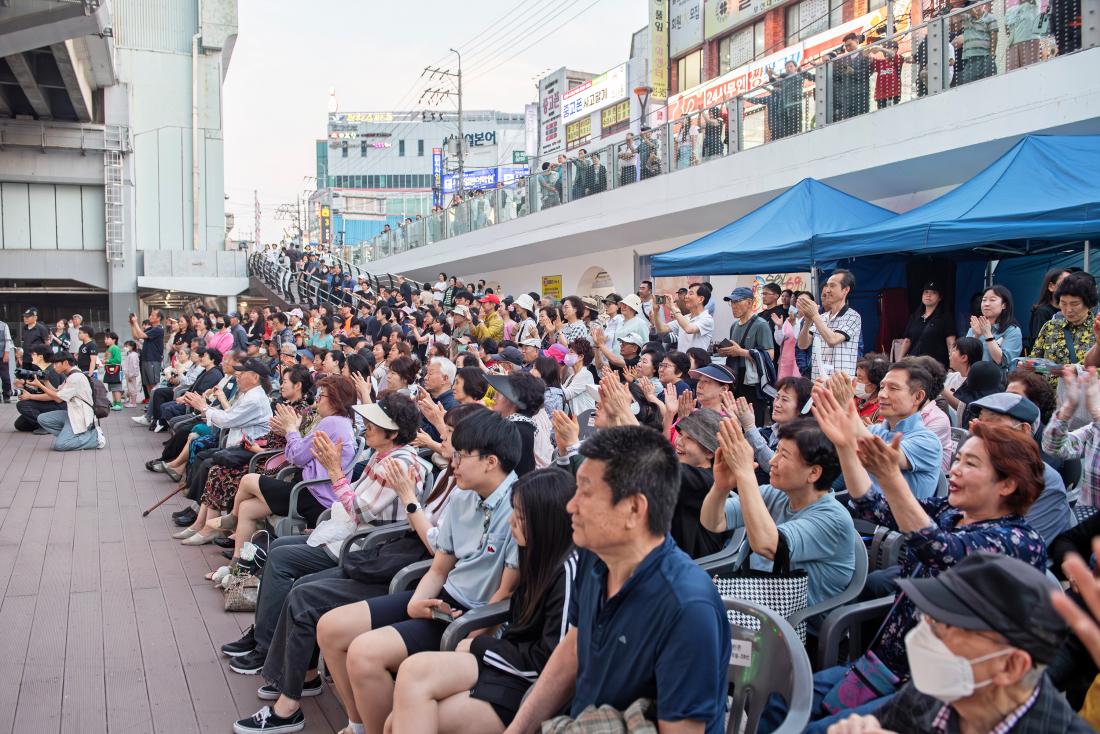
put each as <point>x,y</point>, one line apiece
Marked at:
<point>106,624</point>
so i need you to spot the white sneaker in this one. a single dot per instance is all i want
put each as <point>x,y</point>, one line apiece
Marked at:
<point>101,439</point>
<point>159,428</point>
<point>141,420</point>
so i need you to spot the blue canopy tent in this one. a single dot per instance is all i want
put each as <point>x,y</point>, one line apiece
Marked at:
<point>1039,196</point>
<point>774,238</point>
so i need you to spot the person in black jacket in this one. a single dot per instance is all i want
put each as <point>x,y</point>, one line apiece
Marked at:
<point>483,683</point>
<point>519,397</point>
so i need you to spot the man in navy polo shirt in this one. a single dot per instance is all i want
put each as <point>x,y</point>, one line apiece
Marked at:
<point>645,621</point>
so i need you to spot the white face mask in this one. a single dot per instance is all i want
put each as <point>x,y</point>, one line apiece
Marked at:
<point>861,390</point>
<point>937,671</point>
<point>570,360</point>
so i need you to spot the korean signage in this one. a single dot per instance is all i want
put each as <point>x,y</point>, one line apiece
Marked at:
<point>685,26</point>
<point>744,78</point>
<point>615,118</point>
<point>594,95</point>
<point>551,134</point>
<point>483,178</point>
<point>658,48</point>
<point>531,130</point>
<point>518,156</point>
<point>578,133</point>
<point>362,117</point>
<point>725,15</point>
<point>551,287</point>
<point>326,224</point>
<point>437,175</point>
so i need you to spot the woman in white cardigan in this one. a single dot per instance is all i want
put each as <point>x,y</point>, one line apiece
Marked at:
<point>578,376</point>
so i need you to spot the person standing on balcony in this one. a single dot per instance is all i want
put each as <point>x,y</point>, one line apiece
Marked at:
<point>580,175</point>
<point>597,175</point>
<point>886,62</point>
<point>788,88</point>
<point>852,77</point>
<point>685,144</point>
<point>1023,22</point>
<point>712,133</point>
<point>548,186</point>
<point>978,42</point>
<point>628,161</point>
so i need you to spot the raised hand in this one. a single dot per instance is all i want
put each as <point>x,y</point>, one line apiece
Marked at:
<point>834,419</point>
<point>615,399</point>
<point>1071,393</point>
<point>685,405</point>
<point>327,452</point>
<point>878,457</point>
<point>841,386</point>
<point>567,431</point>
<point>402,479</point>
<point>736,451</point>
<point>1088,586</point>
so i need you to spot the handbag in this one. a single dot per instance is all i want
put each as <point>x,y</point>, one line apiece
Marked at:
<point>241,591</point>
<point>253,556</point>
<point>233,458</point>
<point>112,370</point>
<point>781,590</point>
<point>378,564</point>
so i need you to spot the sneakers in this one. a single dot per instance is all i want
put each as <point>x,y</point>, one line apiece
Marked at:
<point>250,663</point>
<point>116,406</point>
<point>141,420</point>
<point>267,722</point>
<point>159,428</point>
<point>100,439</point>
<point>245,645</point>
<point>310,688</point>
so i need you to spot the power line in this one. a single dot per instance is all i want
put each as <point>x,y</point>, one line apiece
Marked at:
<point>466,46</point>
<point>524,27</point>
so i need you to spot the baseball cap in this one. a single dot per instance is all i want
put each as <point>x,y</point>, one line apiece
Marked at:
<point>1014,406</point>
<point>511,354</point>
<point>373,412</point>
<point>461,311</point>
<point>716,372</point>
<point>632,301</point>
<point>490,298</point>
<point>990,592</point>
<point>613,298</point>
<point>632,338</point>
<point>256,366</point>
<point>536,343</point>
<point>32,311</point>
<point>234,315</point>
<point>590,303</point>
<point>503,385</point>
<point>931,286</point>
<point>702,425</point>
<point>740,293</point>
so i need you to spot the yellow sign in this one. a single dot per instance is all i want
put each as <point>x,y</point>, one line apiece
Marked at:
<point>551,287</point>
<point>370,117</point>
<point>658,48</point>
<point>578,133</point>
<point>615,114</point>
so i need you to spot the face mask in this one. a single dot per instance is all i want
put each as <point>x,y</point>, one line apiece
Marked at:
<point>570,360</point>
<point>937,671</point>
<point>861,390</point>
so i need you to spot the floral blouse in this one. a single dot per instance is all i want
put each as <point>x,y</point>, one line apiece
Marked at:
<point>937,548</point>
<point>1051,343</point>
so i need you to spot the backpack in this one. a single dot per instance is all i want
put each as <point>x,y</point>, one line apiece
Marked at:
<point>101,400</point>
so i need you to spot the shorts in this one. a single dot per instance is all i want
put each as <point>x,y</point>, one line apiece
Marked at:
<point>150,373</point>
<point>419,635</point>
<point>501,690</point>
<point>276,494</point>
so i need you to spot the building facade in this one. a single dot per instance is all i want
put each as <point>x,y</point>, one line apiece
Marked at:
<point>378,168</point>
<point>111,176</point>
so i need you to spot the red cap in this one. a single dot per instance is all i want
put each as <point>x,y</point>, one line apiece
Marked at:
<point>490,298</point>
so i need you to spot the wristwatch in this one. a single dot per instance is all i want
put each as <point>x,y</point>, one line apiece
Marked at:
<point>411,508</point>
<point>990,339</point>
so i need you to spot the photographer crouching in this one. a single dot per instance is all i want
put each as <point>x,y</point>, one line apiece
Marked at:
<point>33,402</point>
<point>73,428</point>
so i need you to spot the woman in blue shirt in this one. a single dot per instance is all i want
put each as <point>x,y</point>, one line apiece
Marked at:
<point>1002,340</point>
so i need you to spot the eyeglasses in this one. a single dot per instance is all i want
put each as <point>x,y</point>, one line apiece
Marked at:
<point>460,456</point>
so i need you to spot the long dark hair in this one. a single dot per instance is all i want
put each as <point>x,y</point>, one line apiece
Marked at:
<point>541,496</point>
<point>1006,319</point>
<point>548,370</point>
<point>1046,296</point>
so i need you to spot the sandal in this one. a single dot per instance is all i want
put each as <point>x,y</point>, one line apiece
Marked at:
<point>174,475</point>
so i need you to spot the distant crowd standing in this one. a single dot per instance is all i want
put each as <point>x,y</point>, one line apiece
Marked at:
<point>575,459</point>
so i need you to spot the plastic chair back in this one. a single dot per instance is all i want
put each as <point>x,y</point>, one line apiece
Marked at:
<point>850,592</point>
<point>941,485</point>
<point>768,660</point>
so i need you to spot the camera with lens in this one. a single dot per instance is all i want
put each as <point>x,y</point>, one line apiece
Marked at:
<point>24,374</point>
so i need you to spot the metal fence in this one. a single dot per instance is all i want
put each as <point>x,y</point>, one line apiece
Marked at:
<point>949,50</point>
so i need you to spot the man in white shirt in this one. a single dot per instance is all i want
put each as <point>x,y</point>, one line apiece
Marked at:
<point>692,329</point>
<point>833,330</point>
<point>74,428</point>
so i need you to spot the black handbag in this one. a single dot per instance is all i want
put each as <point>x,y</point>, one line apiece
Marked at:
<point>233,458</point>
<point>380,563</point>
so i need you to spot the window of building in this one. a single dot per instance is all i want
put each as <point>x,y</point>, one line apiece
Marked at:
<point>344,149</point>
<point>401,148</point>
<point>420,148</point>
<point>689,70</point>
<point>741,47</point>
<point>363,149</point>
<point>807,18</point>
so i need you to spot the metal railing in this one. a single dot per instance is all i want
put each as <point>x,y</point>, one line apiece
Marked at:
<point>298,286</point>
<point>947,51</point>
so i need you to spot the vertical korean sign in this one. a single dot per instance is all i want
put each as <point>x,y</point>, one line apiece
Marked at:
<point>658,48</point>
<point>437,176</point>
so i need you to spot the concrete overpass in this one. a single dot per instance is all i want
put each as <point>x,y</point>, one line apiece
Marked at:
<point>898,157</point>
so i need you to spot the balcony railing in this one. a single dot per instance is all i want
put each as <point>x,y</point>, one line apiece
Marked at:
<point>947,51</point>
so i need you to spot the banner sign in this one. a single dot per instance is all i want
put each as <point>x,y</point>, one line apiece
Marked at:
<point>658,48</point>
<point>483,178</point>
<point>437,176</point>
<point>551,139</point>
<point>685,26</point>
<point>594,95</point>
<point>551,287</point>
<point>578,133</point>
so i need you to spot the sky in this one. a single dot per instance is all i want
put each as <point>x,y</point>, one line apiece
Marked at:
<point>371,52</point>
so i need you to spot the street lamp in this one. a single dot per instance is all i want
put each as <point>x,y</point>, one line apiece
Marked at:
<point>642,93</point>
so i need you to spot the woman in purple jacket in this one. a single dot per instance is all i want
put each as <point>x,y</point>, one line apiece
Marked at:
<point>259,496</point>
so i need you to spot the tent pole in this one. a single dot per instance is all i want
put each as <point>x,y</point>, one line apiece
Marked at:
<point>814,279</point>
<point>989,274</point>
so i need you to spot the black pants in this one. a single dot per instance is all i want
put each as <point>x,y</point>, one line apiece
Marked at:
<point>197,473</point>
<point>160,396</point>
<point>29,410</point>
<point>174,445</point>
<point>293,650</point>
<point>5,375</point>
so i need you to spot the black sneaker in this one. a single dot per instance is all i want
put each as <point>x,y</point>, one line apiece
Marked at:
<point>243,646</point>
<point>266,722</point>
<point>268,692</point>
<point>249,663</point>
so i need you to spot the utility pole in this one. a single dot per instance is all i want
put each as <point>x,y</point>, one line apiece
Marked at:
<point>435,95</point>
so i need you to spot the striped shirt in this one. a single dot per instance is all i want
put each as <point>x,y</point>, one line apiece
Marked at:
<point>1083,444</point>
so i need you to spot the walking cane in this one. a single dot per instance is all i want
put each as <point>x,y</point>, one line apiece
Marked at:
<point>166,497</point>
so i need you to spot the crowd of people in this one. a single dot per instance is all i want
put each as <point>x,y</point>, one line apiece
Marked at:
<point>578,457</point>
